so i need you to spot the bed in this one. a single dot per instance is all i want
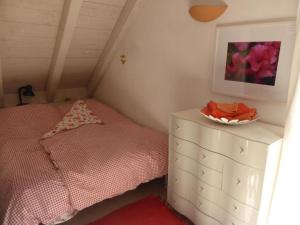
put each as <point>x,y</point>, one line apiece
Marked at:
<point>49,181</point>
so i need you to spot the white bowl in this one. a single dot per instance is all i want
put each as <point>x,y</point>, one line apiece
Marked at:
<point>228,122</point>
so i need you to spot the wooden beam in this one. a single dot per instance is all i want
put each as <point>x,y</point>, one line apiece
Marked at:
<point>1,86</point>
<point>67,26</point>
<point>121,26</point>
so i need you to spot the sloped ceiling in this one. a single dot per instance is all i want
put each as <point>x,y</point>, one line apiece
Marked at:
<point>96,21</point>
<point>28,33</point>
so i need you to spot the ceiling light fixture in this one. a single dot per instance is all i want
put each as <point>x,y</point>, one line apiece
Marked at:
<point>207,10</point>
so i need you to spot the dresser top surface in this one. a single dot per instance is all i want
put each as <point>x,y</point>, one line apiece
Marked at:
<point>257,131</point>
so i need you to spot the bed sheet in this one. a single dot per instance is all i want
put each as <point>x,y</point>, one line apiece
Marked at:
<point>30,187</point>
<point>43,180</point>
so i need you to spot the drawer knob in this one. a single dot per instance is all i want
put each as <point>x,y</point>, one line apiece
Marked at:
<point>202,172</point>
<point>238,181</point>
<point>176,159</point>
<point>177,126</point>
<point>233,223</point>
<point>201,189</point>
<point>235,208</point>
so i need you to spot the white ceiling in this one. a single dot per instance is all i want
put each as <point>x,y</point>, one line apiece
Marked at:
<point>28,32</point>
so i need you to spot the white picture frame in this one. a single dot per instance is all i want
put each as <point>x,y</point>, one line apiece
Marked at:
<point>269,88</point>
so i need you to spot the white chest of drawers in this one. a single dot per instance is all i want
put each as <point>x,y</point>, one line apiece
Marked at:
<point>222,175</point>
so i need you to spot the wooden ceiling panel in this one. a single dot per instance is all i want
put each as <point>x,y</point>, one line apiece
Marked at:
<point>84,53</point>
<point>109,2</point>
<point>27,38</point>
<point>90,35</point>
<point>26,47</point>
<point>28,15</point>
<point>98,16</point>
<point>95,24</point>
<point>102,11</point>
<point>88,43</point>
<point>35,4</point>
<point>14,29</point>
<point>76,70</point>
<point>18,72</point>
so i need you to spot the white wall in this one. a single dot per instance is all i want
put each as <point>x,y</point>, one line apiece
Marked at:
<point>170,61</point>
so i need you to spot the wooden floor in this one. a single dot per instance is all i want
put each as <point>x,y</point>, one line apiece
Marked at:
<point>156,187</point>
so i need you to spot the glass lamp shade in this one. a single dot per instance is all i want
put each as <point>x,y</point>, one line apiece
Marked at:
<point>204,12</point>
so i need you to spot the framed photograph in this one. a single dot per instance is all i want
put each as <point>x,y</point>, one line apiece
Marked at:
<point>254,60</point>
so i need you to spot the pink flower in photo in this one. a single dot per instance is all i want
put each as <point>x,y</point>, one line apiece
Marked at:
<point>238,64</point>
<point>253,62</point>
<point>275,44</point>
<point>262,59</point>
<point>242,46</point>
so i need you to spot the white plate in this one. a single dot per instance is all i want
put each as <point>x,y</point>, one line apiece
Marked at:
<point>228,122</point>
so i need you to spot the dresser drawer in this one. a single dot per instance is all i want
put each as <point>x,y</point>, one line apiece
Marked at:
<point>231,220</point>
<point>184,184</point>
<point>189,187</point>
<point>203,207</point>
<point>187,130</point>
<point>217,213</point>
<point>194,151</point>
<point>209,208</point>
<point>240,211</point>
<point>243,183</point>
<point>245,151</point>
<point>191,211</point>
<point>209,176</point>
<point>182,206</point>
<point>231,206</point>
<point>251,153</point>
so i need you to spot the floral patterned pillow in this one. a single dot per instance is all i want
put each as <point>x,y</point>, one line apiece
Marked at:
<point>79,115</point>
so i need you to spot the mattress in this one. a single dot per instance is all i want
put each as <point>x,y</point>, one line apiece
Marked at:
<point>51,180</point>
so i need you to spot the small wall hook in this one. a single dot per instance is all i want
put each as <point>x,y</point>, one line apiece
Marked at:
<point>123,59</point>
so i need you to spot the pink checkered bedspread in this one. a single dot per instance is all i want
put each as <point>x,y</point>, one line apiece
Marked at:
<point>41,181</point>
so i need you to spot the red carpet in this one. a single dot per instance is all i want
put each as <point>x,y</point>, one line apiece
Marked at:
<point>148,211</point>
